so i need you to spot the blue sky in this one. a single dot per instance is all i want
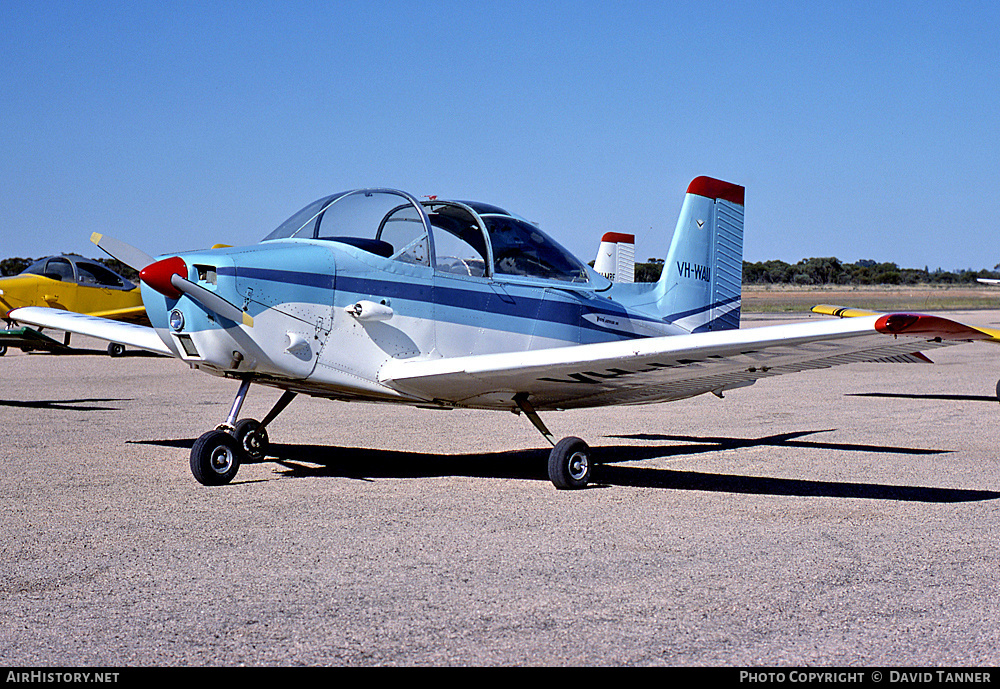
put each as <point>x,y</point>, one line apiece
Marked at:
<point>860,130</point>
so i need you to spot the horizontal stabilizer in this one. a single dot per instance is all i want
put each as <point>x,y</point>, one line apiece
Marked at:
<point>139,336</point>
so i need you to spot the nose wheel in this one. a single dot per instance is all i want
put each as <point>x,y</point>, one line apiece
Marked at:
<point>216,456</point>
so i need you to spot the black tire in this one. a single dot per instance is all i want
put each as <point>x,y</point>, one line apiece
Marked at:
<point>215,458</point>
<point>252,439</point>
<point>570,464</point>
<point>998,389</point>
<point>116,350</point>
<point>3,349</point>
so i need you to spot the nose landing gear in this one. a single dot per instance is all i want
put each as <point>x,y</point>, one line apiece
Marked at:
<point>216,456</point>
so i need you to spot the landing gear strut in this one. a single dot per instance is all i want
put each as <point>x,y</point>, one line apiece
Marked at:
<point>216,456</point>
<point>569,461</point>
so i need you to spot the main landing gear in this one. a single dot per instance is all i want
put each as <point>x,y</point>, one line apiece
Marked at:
<point>216,456</point>
<point>570,460</point>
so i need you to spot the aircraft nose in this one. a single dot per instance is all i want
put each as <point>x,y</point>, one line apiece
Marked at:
<point>157,275</point>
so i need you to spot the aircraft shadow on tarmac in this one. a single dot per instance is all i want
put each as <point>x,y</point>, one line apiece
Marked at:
<point>69,405</point>
<point>915,396</point>
<point>312,461</point>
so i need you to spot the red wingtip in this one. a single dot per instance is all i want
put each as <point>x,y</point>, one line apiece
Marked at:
<point>922,325</point>
<point>716,189</point>
<point>157,275</point>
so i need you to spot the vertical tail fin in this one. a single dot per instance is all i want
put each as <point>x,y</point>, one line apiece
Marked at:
<point>616,257</point>
<point>701,285</point>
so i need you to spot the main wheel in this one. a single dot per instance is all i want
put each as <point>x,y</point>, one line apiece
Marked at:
<point>252,439</point>
<point>215,458</point>
<point>569,464</point>
<point>116,349</point>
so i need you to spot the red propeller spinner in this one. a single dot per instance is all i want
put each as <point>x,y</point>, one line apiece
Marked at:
<point>157,275</point>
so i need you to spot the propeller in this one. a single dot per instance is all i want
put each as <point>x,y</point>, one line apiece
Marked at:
<point>169,277</point>
<point>126,253</point>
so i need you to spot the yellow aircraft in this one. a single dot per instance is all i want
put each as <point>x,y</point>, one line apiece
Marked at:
<point>71,283</point>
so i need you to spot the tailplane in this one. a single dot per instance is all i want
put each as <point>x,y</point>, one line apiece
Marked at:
<point>701,284</point>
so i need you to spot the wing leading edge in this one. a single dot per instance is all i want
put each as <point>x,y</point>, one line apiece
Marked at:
<point>670,368</point>
<point>143,337</point>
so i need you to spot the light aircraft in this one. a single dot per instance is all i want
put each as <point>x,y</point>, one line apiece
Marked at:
<point>373,295</point>
<point>72,283</point>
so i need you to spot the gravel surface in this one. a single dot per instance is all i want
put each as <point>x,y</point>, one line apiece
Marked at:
<point>838,517</point>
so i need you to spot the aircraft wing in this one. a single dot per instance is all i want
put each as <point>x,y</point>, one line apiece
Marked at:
<point>992,334</point>
<point>673,367</point>
<point>140,336</point>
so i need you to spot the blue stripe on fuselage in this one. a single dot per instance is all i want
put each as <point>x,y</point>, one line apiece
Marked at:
<point>480,300</point>
<point>284,276</point>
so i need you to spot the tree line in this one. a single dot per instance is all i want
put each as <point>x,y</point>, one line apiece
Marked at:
<point>808,271</point>
<point>833,271</point>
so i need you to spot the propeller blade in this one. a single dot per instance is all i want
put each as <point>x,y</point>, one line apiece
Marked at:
<point>126,253</point>
<point>210,300</point>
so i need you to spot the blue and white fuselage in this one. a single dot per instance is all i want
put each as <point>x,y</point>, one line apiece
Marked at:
<point>360,279</point>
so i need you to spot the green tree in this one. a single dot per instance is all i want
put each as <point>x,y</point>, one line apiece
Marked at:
<point>13,266</point>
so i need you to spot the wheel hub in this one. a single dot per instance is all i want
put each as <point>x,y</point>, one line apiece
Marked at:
<point>222,460</point>
<point>578,465</point>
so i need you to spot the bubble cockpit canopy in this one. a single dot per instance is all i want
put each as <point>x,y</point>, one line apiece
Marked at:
<point>460,237</point>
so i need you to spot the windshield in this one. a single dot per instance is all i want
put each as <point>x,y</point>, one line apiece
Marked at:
<point>378,221</point>
<point>296,225</point>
